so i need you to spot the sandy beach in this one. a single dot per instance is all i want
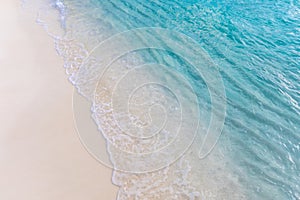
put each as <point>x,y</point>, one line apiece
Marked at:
<point>41,156</point>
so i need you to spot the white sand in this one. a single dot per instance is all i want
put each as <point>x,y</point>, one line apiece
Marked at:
<point>41,156</point>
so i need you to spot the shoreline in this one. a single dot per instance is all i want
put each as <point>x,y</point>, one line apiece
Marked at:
<point>42,154</point>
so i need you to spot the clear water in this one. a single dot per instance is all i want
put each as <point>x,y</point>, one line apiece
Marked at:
<point>256,47</point>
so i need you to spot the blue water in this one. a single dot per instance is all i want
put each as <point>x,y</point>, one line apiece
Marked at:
<point>256,46</point>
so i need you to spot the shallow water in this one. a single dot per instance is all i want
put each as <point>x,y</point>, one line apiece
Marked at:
<point>254,46</point>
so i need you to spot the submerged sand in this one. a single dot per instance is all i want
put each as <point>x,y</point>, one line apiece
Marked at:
<point>41,156</point>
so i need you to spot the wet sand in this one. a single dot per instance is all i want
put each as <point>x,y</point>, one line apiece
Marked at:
<point>41,156</point>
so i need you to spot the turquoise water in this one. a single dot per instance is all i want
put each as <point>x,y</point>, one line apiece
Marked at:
<point>256,47</point>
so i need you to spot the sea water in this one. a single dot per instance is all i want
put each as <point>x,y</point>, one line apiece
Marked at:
<point>154,102</point>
